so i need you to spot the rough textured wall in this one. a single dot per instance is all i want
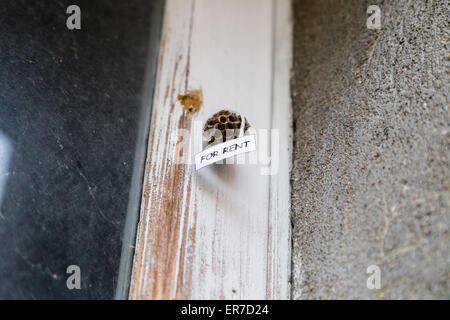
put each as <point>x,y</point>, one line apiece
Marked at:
<point>370,180</point>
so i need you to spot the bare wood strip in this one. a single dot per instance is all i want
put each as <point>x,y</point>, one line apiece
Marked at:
<point>279,264</point>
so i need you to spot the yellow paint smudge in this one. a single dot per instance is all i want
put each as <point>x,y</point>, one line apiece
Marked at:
<point>191,100</point>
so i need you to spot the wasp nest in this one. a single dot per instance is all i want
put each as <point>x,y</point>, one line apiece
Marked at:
<point>222,126</point>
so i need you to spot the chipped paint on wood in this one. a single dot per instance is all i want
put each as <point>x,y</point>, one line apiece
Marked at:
<point>207,235</point>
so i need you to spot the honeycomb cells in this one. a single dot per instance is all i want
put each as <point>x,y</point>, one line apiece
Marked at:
<point>226,124</point>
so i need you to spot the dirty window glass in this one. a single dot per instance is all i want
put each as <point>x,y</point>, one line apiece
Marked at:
<point>74,106</point>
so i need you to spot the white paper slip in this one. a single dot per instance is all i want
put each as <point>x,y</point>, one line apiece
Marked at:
<point>225,150</point>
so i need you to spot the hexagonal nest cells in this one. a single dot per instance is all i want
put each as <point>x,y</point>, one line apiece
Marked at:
<point>223,126</point>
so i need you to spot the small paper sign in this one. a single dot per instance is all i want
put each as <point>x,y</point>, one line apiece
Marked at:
<point>225,150</point>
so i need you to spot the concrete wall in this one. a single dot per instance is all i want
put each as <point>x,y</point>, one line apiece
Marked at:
<point>370,179</point>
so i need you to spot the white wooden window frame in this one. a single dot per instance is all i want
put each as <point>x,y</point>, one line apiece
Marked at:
<point>222,234</point>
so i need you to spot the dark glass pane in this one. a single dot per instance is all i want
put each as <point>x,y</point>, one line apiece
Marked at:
<point>74,109</point>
